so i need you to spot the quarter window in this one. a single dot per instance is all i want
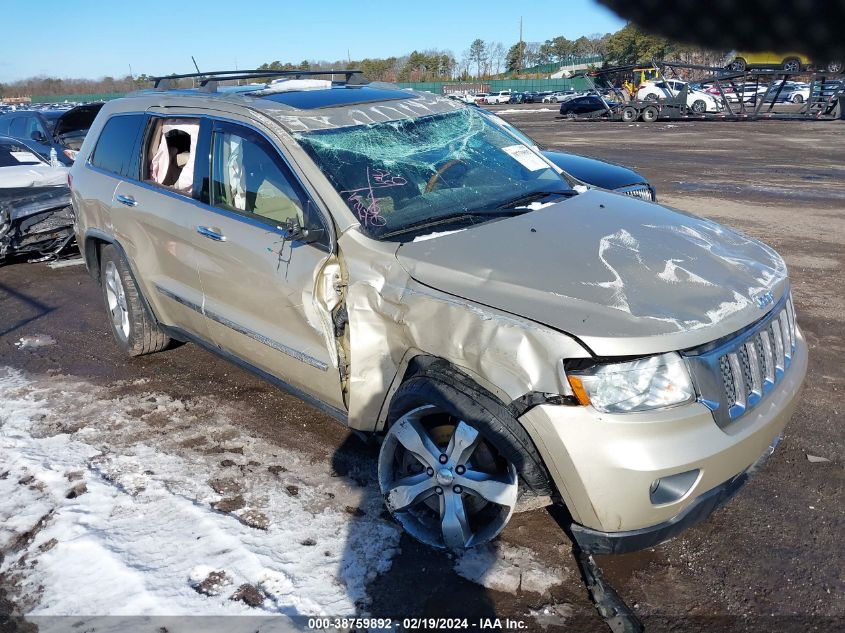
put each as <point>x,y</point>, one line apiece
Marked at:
<point>115,147</point>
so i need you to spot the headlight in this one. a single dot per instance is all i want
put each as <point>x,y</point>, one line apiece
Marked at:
<point>637,385</point>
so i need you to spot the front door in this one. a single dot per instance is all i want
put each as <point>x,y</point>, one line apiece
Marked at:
<point>259,287</point>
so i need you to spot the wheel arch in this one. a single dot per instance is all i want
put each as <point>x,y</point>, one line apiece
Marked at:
<point>92,247</point>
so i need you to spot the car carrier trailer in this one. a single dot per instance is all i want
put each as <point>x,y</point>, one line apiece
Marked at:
<point>826,90</point>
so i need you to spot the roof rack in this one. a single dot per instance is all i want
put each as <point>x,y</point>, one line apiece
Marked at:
<point>209,80</point>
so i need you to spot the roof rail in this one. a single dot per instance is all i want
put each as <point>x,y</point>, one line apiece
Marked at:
<point>209,80</point>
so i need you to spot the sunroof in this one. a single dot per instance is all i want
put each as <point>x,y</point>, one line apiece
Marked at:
<point>335,96</point>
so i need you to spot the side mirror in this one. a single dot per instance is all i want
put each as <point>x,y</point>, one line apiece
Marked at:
<point>295,232</point>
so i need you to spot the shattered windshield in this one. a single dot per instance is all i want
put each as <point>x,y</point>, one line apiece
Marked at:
<point>407,176</point>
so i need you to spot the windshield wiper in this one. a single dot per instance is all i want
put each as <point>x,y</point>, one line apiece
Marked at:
<point>534,196</point>
<point>452,219</point>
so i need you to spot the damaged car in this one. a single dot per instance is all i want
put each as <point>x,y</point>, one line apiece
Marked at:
<point>514,337</point>
<point>51,131</point>
<point>36,218</point>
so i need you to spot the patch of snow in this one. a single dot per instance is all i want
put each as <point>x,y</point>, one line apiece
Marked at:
<point>141,532</point>
<point>35,341</point>
<point>504,567</point>
<point>551,615</point>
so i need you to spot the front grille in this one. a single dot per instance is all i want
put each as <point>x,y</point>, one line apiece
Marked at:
<point>738,374</point>
<point>638,191</point>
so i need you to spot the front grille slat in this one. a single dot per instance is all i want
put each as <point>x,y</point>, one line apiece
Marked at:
<point>756,362</point>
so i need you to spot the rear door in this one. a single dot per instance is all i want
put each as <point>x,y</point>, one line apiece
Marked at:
<point>156,224</point>
<point>262,291</point>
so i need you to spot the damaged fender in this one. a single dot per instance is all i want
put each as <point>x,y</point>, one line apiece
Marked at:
<point>392,318</point>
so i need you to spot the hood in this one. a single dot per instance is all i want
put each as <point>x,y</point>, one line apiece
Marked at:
<point>77,119</point>
<point>32,175</point>
<point>595,172</point>
<point>625,276</point>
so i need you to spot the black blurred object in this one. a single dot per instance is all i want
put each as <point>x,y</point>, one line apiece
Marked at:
<point>812,27</point>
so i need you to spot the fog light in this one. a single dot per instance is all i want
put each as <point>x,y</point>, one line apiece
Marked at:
<point>672,488</point>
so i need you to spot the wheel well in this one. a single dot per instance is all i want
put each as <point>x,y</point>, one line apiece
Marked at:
<point>93,246</point>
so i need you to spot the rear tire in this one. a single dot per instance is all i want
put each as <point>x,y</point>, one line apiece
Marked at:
<point>699,106</point>
<point>737,65</point>
<point>134,329</point>
<point>649,114</point>
<point>792,65</point>
<point>834,67</point>
<point>797,99</point>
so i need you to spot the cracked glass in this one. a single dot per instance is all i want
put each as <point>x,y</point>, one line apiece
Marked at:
<point>403,177</point>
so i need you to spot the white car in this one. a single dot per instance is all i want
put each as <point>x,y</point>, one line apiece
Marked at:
<point>697,100</point>
<point>21,166</point>
<point>494,98</point>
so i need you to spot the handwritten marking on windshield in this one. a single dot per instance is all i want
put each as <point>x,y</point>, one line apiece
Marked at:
<point>367,206</point>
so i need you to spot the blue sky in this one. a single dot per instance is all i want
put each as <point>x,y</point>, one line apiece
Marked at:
<point>97,38</point>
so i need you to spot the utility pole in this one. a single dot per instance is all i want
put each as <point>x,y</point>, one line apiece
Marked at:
<point>521,50</point>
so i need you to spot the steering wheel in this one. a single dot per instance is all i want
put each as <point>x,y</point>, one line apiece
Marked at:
<point>432,182</point>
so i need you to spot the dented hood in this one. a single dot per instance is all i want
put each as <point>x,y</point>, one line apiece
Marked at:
<point>623,275</point>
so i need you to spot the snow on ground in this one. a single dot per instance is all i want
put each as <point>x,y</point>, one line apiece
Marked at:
<point>116,500</point>
<point>523,110</point>
<point>510,568</point>
<point>103,510</point>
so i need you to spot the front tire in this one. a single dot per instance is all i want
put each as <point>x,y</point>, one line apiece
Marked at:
<point>454,461</point>
<point>629,114</point>
<point>834,67</point>
<point>797,98</point>
<point>133,327</point>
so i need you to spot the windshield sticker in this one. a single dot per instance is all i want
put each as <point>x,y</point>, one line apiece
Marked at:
<point>525,157</point>
<point>25,157</point>
<point>364,201</point>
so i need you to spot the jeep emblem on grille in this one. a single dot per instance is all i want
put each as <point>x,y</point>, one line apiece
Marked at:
<point>764,299</point>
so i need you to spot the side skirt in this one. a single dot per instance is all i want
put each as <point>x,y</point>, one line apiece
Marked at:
<point>181,335</point>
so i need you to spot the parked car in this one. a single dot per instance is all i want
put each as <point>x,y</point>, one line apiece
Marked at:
<point>36,218</point>
<point>480,98</point>
<point>512,336</point>
<point>517,97</point>
<point>697,100</point>
<point>789,62</point>
<point>594,172</point>
<point>59,130</point>
<point>584,105</point>
<point>495,98</point>
<point>529,97</point>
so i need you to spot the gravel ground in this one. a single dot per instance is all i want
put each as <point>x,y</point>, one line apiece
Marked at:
<point>771,557</point>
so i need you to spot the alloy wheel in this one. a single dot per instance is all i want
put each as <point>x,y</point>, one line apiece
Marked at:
<point>116,299</point>
<point>443,482</point>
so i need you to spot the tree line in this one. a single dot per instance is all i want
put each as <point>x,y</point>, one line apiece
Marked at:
<point>481,60</point>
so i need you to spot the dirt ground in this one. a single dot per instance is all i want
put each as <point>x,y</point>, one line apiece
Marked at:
<point>770,560</point>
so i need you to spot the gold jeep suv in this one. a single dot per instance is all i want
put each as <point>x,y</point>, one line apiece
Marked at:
<point>420,272</point>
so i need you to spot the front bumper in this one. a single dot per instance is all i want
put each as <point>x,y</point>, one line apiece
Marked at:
<point>603,465</point>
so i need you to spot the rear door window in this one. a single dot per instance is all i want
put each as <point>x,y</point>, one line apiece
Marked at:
<point>115,150</point>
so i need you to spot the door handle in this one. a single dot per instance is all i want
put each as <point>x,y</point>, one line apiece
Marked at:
<point>211,234</point>
<point>129,201</point>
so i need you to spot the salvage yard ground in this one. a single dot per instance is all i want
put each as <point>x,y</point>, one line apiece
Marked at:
<point>177,483</point>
